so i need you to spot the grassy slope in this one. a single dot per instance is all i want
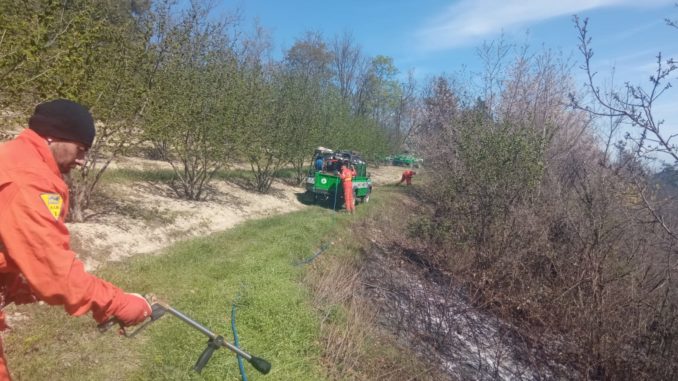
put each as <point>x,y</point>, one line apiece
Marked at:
<point>253,264</point>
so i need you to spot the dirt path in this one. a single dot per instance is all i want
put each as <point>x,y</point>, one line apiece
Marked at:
<point>142,218</point>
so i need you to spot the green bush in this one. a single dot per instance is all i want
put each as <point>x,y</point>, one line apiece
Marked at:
<point>499,166</point>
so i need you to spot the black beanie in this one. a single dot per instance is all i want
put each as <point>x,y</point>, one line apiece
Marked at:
<point>63,119</point>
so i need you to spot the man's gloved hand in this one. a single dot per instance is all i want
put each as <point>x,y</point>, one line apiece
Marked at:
<point>132,309</point>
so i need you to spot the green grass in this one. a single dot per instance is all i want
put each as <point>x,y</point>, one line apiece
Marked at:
<point>252,264</point>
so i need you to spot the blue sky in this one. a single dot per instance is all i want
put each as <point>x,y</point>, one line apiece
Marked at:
<point>436,36</point>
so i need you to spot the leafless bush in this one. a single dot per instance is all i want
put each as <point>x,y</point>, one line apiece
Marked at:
<point>583,261</point>
<point>549,231</point>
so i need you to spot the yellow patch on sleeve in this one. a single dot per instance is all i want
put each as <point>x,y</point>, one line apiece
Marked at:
<point>53,202</point>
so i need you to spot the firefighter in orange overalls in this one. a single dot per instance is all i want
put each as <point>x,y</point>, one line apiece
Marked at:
<point>407,177</point>
<point>347,174</point>
<point>36,260</point>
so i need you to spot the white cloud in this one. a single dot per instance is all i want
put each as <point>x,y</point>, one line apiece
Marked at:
<point>467,21</point>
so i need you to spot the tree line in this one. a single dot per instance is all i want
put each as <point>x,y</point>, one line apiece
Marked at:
<point>196,89</point>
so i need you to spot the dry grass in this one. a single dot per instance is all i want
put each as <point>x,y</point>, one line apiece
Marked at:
<point>355,345</point>
<point>346,318</point>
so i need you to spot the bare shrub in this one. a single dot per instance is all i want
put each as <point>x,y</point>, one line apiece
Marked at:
<point>547,231</point>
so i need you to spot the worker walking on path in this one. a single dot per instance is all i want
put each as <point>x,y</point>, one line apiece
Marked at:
<point>407,177</point>
<point>36,260</point>
<point>346,176</point>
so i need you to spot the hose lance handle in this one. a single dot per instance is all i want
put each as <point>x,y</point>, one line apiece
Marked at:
<point>212,345</point>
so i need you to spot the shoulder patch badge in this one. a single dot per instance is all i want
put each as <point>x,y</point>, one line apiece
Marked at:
<point>53,202</point>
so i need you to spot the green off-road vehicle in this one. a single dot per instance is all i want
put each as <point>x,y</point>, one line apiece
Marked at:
<point>323,183</point>
<point>406,161</point>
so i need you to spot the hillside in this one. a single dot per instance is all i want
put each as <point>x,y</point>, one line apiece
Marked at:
<point>141,217</point>
<point>256,263</point>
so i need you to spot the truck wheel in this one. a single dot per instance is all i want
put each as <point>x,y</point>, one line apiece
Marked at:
<point>307,197</point>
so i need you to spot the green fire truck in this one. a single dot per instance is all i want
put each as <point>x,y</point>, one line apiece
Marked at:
<point>406,160</point>
<point>323,183</point>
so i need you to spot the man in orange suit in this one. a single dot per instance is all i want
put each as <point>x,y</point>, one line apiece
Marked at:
<point>346,176</point>
<point>36,260</point>
<point>407,177</point>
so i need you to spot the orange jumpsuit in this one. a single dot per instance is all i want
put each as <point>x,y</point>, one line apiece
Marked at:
<point>36,260</point>
<point>407,177</point>
<point>347,181</point>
